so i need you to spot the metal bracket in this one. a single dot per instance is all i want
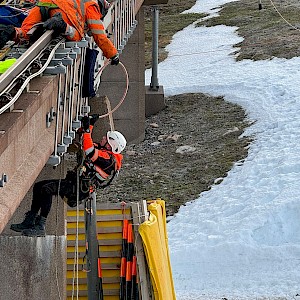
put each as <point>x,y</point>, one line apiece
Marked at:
<point>54,160</point>
<point>81,44</point>
<point>61,55</point>
<point>66,61</point>
<point>59,69</point>
<point>86,109</point>
<point>67,140</point>
<point>76,124</point>
<point>50,117</point>
<point>61,148</point>
<point>3,180</point>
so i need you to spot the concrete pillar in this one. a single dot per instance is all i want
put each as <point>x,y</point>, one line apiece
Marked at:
<point>130,117</point>
<point>55,224</point>
<point>32,268</point>
<point>35,268</point>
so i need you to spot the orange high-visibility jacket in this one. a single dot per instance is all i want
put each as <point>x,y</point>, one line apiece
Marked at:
<point>103,160</point>
<point>76,14</point>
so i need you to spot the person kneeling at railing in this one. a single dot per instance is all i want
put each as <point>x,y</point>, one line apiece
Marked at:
<point>66,17</point>
<point>100,164</point>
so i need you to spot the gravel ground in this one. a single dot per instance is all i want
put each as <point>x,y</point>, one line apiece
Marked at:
<point>188,146</point>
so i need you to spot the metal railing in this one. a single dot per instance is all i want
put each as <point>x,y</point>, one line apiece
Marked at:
<point>124,22</point>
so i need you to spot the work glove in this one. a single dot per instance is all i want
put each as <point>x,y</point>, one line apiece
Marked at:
<point>56,23</point>
<point>7,33</point>
<point>85,123</point>
<point>115,60</point>
<point>94,118</point>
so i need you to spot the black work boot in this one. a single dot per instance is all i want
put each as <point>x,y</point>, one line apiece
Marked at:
<point>38,229</point>
<point>28,222</point>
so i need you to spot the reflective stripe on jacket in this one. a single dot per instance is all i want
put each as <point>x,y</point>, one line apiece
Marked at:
<point>93,20</point>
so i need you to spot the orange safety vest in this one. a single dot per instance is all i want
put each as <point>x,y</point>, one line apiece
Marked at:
<point>87,144</point>
<point>72,13</point>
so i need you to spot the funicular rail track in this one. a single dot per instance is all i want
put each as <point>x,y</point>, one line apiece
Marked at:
<point>122,21</point>
<point>21,72</point>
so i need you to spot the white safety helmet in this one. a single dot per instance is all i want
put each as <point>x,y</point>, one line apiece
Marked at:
<point>116,140</point>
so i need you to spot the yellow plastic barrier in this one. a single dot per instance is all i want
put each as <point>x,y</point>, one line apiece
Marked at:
<point>155,239</point>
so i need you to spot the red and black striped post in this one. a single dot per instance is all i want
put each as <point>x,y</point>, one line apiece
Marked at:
<point>129,259</point>
<point>123,260</point>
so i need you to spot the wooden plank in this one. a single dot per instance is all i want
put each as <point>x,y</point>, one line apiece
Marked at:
<point>115,229</point>
<point>102,254</point>
<point>103,267</point>
<point>104,280</point>
<point>103,218</point>
<point>138,215</point>
<point>111,242</point>
<point>104,206</point>
<point>106,292</point>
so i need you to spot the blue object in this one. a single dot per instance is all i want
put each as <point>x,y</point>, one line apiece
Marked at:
<point>88,89</point>
<point>11,16</point>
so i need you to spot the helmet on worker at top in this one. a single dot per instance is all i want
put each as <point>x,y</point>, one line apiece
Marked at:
<point>116,140</point>
<point>104,6</point>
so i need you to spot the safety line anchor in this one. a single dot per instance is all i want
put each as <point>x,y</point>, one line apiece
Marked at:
<point>3,180</point>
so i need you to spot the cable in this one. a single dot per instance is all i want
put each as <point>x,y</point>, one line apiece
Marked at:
<point>294,27</point>
<point>125,92</point>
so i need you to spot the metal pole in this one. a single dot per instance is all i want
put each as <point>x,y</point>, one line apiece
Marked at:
<point>154,80</point>
<point>92,241</point>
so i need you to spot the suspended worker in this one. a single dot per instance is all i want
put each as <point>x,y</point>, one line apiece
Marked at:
<point>101,164</point>
<point>66,17</point>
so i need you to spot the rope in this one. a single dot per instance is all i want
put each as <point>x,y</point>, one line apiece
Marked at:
<point>245,46</point>
<point>282,17</point>
<point>111,120</point>
<point>125,92</point>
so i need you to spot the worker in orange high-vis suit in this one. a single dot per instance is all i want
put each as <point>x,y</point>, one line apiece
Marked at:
<point>101,157</point>
<point>101,164</point>
<point>66,17</point>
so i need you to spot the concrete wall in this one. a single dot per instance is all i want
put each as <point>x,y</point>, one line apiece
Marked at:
<point>29,268</point>
<point>25,143</point>
<point>130,117</point>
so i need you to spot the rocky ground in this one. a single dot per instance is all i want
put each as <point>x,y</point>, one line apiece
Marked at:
<point>188,147</point>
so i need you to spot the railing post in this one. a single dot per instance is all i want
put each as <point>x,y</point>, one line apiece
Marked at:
<point>154,79</point>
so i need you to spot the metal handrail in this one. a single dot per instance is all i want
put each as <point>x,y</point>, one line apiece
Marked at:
<point>25,83</point>
<point>24,60</point>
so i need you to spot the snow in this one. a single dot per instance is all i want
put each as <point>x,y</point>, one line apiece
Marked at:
<point>241,239</point>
